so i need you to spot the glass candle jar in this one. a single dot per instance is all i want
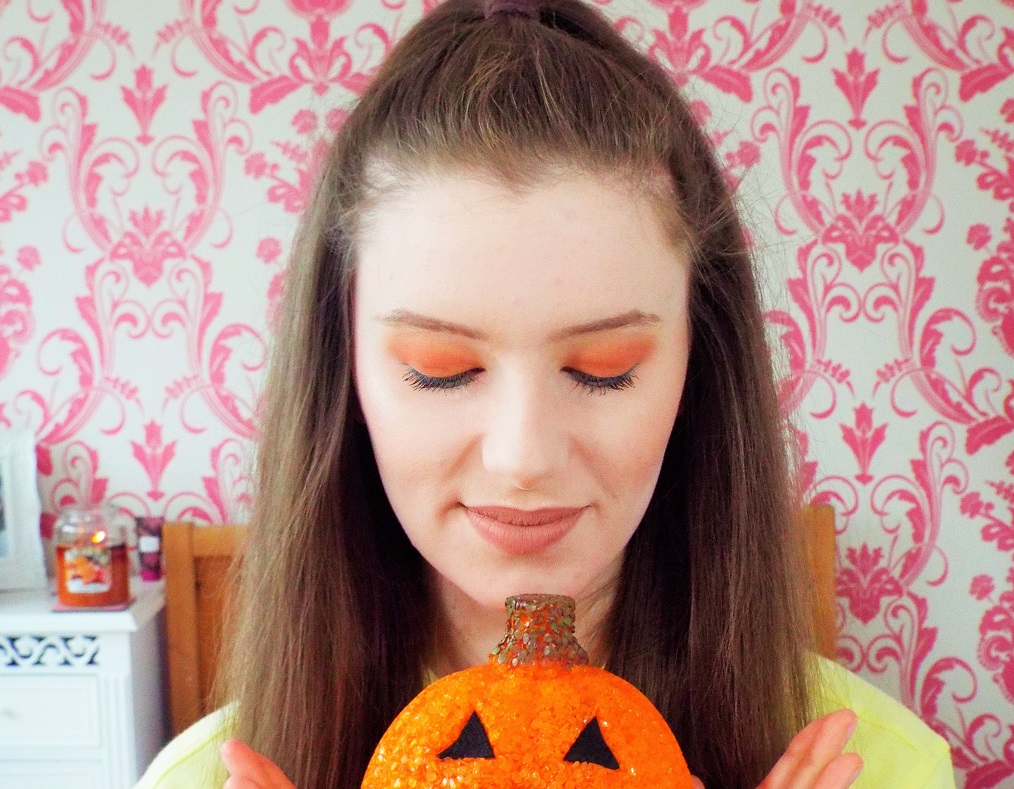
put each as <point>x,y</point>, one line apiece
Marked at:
<point>91,557</point>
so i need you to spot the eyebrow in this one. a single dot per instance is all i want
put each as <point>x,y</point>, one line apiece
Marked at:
<point>625,320</point>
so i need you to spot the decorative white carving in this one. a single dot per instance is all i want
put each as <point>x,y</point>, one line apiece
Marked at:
<point>25,651</point>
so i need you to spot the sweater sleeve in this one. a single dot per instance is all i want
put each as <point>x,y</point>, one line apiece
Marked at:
<point>898,750</point>
<point>191,760</point>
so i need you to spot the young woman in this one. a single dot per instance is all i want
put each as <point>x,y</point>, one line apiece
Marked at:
<point>523,352</point>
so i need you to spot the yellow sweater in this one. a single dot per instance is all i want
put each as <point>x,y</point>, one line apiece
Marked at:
<point>898,750</point>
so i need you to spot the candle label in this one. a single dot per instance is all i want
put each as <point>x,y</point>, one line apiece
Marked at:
<point>88,569</point>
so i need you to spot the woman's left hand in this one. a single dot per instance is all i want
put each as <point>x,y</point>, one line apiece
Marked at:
<point>249,770</point>
<point>816,758</point>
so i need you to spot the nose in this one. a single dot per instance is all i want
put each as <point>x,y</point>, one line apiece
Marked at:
<point>526,440</point>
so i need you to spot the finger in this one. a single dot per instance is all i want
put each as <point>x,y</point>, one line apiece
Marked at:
<point>243,762</point>
<point>696,782</point>
<point>240,761</point>
<point>238,782</point>
<point>234,782</point>
<point>841,772</point>
<point>812,751</point>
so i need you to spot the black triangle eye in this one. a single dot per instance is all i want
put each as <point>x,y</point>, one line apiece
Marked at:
<point>589,747</point>
<point>472,743</point>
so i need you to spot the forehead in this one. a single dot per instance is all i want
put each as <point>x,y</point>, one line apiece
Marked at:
<point>573,248</point>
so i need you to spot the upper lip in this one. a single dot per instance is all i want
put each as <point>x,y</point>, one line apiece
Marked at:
<point>516,517</point>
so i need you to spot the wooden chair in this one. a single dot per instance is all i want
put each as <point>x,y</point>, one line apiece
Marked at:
<point>818,524</point>
<point>197,582</point>
<point>197,565</point>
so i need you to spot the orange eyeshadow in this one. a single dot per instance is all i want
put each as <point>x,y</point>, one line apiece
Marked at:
<point>612,357</point>
<point>431,358</point>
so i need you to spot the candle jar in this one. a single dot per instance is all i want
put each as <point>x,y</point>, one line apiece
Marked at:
<point>91,557</point>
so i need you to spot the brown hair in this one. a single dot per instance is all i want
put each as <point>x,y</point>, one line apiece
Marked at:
<point>335,614</point>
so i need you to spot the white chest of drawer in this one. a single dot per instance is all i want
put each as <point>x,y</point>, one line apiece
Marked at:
<point>81,699</point>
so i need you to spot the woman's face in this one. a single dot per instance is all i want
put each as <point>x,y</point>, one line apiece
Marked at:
<point>520,352</point>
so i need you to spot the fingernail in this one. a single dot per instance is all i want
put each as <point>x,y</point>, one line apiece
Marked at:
<point>855,776</point>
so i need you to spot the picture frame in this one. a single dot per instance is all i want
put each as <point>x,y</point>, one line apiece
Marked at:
<point>22,559</point>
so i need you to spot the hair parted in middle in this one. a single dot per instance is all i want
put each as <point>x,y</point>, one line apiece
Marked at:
<point>335,611</point>
<point>527,8</point>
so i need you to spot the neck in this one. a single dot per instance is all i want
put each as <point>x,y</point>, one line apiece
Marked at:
<point>467,631</point>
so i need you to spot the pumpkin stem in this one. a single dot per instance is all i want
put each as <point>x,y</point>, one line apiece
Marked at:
<point>540,629</point>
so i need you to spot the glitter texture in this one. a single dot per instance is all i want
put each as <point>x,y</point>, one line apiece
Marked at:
<point>534,699</point>
<point>540,628</point>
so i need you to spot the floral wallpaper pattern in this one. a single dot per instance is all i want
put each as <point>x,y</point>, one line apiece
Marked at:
<point>154,158</point>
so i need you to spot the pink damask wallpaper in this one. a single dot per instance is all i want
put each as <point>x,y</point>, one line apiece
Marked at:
<point>154,158</point>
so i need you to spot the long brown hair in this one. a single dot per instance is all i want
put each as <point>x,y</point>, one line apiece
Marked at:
<point>335,615</point>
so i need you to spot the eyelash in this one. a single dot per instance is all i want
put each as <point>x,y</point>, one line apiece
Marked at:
<point>590,383</point>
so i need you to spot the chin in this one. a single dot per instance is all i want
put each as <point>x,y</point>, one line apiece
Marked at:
<point>494,596</point>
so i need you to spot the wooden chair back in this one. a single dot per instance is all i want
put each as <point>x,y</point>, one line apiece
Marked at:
<point>818,525</point>
<point>197,571</point>
<point>197,562</point>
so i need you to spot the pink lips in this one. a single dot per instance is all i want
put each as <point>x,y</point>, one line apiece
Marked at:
<point>523,531</point>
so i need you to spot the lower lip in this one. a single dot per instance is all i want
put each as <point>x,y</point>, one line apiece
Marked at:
<point>521,540</point>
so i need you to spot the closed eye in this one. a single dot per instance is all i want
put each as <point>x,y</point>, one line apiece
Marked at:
<point>420,381</point>
<point>592,383</point>
<point>596,384</point>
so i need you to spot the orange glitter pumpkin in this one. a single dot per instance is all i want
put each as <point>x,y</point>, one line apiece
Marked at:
<point>536,715</point>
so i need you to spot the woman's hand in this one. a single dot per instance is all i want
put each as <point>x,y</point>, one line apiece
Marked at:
<point>814,759</point>
<point>249,770</point>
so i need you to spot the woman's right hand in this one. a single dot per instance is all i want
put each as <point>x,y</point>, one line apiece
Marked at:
<point>814,759</point>
<point>249,769</point>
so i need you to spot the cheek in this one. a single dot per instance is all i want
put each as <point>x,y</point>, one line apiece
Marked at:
<point>634,482</point>
<point>631,454</point>
<point>387,424</point>
<point>414,441</point>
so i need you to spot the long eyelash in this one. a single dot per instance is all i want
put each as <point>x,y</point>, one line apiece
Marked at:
<point>595,385</point>
<point>419,381</point>
<point>590,383</point>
